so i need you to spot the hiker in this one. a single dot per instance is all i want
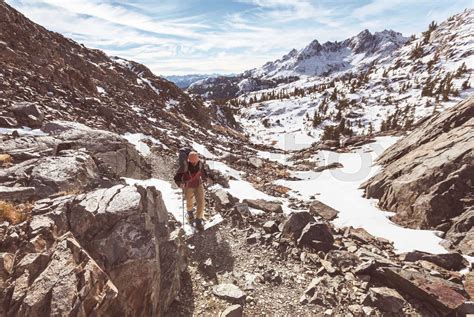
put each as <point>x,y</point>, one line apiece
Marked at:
<point>190,177</point>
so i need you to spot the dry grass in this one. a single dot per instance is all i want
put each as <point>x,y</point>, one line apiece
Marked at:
<point>14,213</point>
<point>5,160</point>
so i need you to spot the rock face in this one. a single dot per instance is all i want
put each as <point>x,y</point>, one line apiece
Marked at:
<point>108,251</point>
<point>74,158</point>
<point>428,176</point>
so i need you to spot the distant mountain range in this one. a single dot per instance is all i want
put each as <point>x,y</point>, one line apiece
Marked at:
<point>368,83</point>
<point>184,81</point>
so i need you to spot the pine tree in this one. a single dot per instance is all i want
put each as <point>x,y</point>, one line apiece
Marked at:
<point>370,131</point>
<point>334,95</point>
<point>417,52</point>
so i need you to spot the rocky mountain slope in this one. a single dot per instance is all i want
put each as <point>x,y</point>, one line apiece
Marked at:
<point>428,177</point>
<point>68,81</point>
<point>90,222</point>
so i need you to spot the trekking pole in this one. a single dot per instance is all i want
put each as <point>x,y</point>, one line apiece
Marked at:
<point>182,200</point>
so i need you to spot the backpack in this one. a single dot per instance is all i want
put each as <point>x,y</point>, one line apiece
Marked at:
<point>183,159</point>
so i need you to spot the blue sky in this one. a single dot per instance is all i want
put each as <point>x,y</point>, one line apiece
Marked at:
<point>223,36</point>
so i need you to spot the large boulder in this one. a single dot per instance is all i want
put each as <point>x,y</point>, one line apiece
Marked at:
<point>110,148</point>
<point>427,176</point>
<point>295,223</point>
<point>114,243</point>
<point>74,171</point>
<point>445,296</point>
<point>110,151</point>
<point>66,281</point>
<point>318,232</point>
<point>28,114</point>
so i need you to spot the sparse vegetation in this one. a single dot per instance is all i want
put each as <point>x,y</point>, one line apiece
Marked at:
<point>5,160</point>
<point>14,213</point>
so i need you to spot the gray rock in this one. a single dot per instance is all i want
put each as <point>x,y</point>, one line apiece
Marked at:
<point>20,194</point>
<point>228,292</point>
<point>232,311</point>
<point>270,226</point>
<point>124,229</point>
<point>386,299</point>
<point>255,162</point>
<point>28,114</point>
<point>8,122</point>
<point>70,271</point>
<point>72,172</point>
<point>262,204</point>
<point>223,199</point>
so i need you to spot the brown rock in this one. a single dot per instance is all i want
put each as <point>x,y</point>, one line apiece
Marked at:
<point>444,296</point>
<point>296,222</point>
<point>450,261</point>
<point>316,231</point>
<point>322,210</point>
<point>28,114</point>
<point>469,284</point>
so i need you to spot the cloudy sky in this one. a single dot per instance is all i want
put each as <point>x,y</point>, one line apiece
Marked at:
<point>225,36</point>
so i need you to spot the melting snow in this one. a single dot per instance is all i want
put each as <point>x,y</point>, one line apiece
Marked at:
<point>142,147</point>
<point>23,131</point>
<point>339,188</point>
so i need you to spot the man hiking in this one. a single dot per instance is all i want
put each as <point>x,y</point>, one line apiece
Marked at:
<point>190,179</point>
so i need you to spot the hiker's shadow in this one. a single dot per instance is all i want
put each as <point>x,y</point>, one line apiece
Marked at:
<point>210,244</point>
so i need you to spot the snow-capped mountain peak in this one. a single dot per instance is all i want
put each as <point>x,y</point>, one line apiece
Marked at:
<point>317,59</point>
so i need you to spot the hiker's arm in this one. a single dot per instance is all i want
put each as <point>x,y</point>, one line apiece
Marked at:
<point>178,179</point>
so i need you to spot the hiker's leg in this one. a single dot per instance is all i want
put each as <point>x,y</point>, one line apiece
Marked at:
<point>189,194</point>
<point>200,201</point>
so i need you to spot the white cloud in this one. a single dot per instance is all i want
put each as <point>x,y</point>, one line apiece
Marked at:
<point>174,37</point>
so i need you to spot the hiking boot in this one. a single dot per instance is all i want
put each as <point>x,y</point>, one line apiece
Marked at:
<point>190,216</point>
<point>199,224</point>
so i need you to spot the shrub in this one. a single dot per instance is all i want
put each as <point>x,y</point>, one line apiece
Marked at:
<point>5,160</point>
<point>15,213</point>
